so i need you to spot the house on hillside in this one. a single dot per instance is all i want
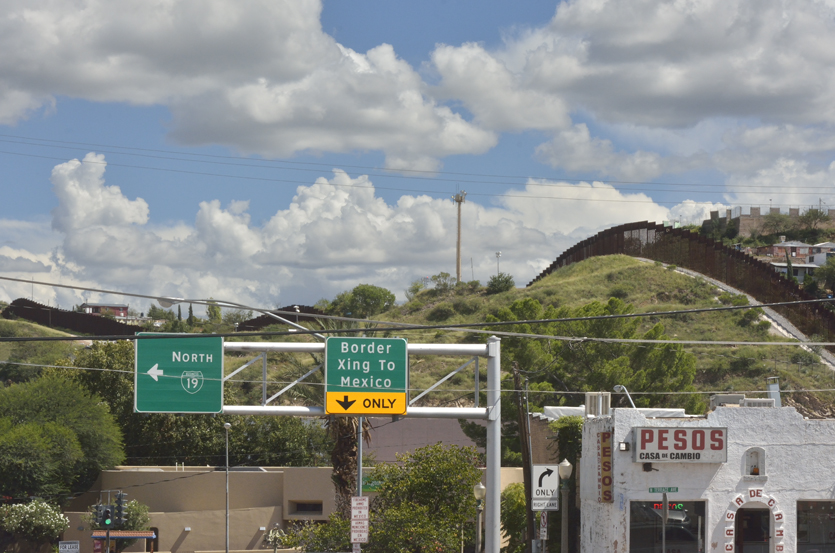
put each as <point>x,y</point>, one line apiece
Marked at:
<point>799,270</point>
<point>792,248</point>
<point>117,310</point>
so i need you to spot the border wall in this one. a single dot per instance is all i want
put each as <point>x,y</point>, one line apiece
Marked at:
<point>685,249</point>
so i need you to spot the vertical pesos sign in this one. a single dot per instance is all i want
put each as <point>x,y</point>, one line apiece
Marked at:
<point>179,375</point>
<point>366,376</point>
<point>604,467</point>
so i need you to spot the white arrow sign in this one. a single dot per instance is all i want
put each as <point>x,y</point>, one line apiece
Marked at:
<point>155,373</point>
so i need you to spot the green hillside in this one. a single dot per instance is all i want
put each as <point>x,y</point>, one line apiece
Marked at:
<point>39,353</point>
<point>645,287</point>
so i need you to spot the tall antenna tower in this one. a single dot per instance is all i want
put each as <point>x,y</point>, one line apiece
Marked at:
<point>459,199</point>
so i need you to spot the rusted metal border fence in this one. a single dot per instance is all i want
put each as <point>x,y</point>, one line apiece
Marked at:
<point>692,251</point>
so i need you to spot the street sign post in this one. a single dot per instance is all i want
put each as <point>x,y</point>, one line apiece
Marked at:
<point>545,485</point>
<point>179,375</point>
<point>366,376</point>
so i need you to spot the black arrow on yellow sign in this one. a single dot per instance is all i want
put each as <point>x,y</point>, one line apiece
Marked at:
<point>345,403</point>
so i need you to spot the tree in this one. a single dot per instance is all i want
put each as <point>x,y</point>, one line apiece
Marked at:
<point>28,526</point>
<point>191,319</point>
<point>236,316</point>
<point>213,312</point>
<point>365,300</point>
<point>165,438</point>
<point>368,300</point>
<point>158,313</point>
<point>513,518</point>
<point>443,282</point>
<point>812,219</point>
<point>73,436</point>
<point>137,517</point>
<point>825,274</point>
<point>776,223</point>
<point>423,503</point>
<point>501,282</point>
<point>415,288</point>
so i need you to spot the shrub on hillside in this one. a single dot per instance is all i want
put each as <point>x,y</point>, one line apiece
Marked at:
<point>441,312</point>
<point>501,282</point>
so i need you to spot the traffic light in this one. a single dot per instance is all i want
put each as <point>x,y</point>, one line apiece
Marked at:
<point>120,508</point>
<point>107,517</point>
<point>98,512</point>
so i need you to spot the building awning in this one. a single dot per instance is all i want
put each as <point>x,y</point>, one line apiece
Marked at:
<point>124,534</point>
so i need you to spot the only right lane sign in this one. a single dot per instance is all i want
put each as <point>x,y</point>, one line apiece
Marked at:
<point>545,488</point>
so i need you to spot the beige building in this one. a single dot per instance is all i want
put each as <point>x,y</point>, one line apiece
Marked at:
<point>188,504</point>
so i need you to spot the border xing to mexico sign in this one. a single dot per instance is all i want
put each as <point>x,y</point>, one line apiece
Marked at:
<point>366,376</point>
<point>179,375</point>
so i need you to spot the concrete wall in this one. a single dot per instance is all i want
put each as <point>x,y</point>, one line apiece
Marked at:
<point>799,465</point>
<point>195,498</point>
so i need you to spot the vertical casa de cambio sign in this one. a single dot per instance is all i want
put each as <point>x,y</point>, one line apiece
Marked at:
<point>178,375</point>
<point>366,376</point>
<point>680,445</point>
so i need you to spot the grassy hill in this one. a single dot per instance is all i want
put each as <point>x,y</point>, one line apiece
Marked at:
<point>41,353</point>
<point>647,287</point>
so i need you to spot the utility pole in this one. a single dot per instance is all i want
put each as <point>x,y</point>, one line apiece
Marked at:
<point>459,199</point>
<point>524,442</point>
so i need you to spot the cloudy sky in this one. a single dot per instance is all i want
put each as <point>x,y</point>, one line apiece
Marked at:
<point>271,152</point>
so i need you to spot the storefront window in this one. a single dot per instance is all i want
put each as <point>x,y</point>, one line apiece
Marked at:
<point>685,530</point>
<point>815,526</point>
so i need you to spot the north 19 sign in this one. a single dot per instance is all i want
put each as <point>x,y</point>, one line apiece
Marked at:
<point>366,376</point>
<point>680,445</point>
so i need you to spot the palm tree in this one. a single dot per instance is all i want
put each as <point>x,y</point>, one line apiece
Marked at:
<point>343,430</point>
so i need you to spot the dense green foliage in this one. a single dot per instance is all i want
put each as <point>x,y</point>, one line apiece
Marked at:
<point>137,517</point>
<point>162,438</point>
<point>55,437</point>
<point>364,301</point>
<point>423,504</point>
<point>501,282</point>
<point>29,525</point>
<point>513,518</point>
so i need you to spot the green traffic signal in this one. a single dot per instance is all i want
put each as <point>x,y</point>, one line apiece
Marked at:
<point>107,519</point>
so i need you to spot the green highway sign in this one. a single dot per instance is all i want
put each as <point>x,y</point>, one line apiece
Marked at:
<point>663,490</point>
<point>177,374</point>
<point>366,376</point>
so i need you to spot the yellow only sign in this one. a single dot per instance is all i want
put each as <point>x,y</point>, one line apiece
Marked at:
<point>365,403</point>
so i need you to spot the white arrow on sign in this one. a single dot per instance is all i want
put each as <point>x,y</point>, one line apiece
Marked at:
<point>155,373</point>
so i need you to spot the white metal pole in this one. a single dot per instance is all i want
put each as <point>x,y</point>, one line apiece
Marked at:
<point>226,427</point>
<point>492,530</point>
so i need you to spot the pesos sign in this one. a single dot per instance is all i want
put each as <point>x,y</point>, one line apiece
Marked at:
<point>366,376</point>
<point>179,375</point>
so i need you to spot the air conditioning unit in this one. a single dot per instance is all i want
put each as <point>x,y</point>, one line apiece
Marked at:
<point>719,400</point>
<point>598,404</point>
<point>757,402</point>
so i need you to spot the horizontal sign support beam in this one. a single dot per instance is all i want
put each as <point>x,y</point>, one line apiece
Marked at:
<point>316,411</point>
<point>413,349</point>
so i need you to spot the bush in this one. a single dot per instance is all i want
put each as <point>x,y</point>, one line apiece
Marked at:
<point>37,522</point>
<point>620,292</point>
<point>466,306</point>
<point>441,312</point>
<point>501,282</point>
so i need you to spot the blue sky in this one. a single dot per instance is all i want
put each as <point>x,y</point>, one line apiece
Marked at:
<point>271,153</point>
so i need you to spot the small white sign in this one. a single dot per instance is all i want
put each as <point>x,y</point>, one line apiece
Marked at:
<point>545,488</point>
<point>359,531</point>
<point>357,548</point>
<point>69,547</point>
<point>543,525</point>
<point>359,508</point>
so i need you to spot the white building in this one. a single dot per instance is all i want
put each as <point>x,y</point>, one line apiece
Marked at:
<point>743,479</point>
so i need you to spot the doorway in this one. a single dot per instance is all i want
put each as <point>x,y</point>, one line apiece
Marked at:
<point>753,531</point>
